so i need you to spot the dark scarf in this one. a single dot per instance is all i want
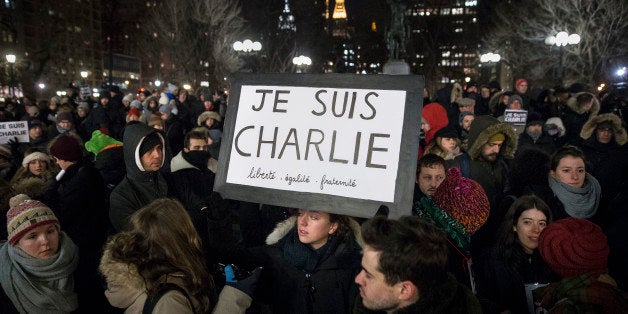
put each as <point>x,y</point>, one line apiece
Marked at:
<point>302,256</point>
<point>40,285</point>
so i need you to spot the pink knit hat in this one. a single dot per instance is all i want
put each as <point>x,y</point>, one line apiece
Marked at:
<point>463,199</point>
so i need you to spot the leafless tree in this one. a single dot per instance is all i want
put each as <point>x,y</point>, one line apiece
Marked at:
<point>194,37</point>
<point>520,38</point>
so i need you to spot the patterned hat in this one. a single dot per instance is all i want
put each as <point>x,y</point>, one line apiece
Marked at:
<point>25,215</point>
<point>463,199</point>
<point>573,247</point>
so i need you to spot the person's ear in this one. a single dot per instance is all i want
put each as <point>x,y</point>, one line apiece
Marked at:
<point>514,228</point>
<point>407,291</point>
<point>333,228</point>
<point>553,174</point>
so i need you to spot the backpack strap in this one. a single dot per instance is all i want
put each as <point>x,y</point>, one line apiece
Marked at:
<point>162,289</point>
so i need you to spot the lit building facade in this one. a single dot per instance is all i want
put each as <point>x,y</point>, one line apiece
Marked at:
<point>443,40</point>
<point>54,41</point>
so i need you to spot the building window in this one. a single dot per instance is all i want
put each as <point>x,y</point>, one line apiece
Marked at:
<point>458,30</point>
<point>445,54</point>
<point>457,11</point>
<point>470,3</point>
<point>445,11</point>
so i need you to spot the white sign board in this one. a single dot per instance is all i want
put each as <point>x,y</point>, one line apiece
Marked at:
<point>340,143</point>
<point>13,129</point>
<point>516,117</point>
<point>321,140</point>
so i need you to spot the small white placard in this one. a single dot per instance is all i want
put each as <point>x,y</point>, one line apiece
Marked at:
<point>10,130</point>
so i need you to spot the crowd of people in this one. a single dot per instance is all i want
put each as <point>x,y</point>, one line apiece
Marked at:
<point>110,208</point>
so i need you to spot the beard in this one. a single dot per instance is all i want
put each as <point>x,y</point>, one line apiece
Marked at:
<point>489,157</point>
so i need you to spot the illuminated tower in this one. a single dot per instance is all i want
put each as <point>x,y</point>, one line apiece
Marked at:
<point>339,17</point>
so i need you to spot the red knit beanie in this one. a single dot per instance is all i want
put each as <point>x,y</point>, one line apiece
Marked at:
<point>574,246</point>
<point>463,199</point>
<point>66,148</point>
<point>520,81</point>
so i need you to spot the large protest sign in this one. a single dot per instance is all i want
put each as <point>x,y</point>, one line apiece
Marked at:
<point>13,129</point>
<point>340,143</point>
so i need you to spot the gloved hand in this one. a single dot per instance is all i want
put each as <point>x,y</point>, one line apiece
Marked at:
<point>246,285</point>
<point>14,144</point>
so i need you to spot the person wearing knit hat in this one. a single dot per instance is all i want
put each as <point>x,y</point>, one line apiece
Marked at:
<point>163,99</point>
<point>127,99</point>
<point>38,262</point>
<point>573,247</point>
<point>36,162</point>
<point>137,105</point>
<point>463,199</point>
<point>144,155</point>
<point>514,261</point>
<point>459,207</point>
<point>534,137</point>
<point>64,124</point>
<point>521,85</point>
<point>66,148</point>
<point>77,195</point>
<point>434,118</point>
<point>133,115</point>
<point>577,250</point>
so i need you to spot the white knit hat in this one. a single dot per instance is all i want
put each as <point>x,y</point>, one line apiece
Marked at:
<point>35,156</point>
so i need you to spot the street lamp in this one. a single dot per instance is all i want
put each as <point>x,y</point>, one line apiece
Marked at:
<point>490,59</point>
<point>301,62</point>
<point>157,83</point>
<point>11,61</point>
<point>561,40</point>
<point>247,48</point>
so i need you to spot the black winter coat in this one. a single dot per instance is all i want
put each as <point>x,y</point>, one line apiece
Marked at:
<point>139,187</point>
<point>325,286</point>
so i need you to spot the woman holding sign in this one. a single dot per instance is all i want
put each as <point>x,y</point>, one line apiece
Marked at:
<point>310,263</point>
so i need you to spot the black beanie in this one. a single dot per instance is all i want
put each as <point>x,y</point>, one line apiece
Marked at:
<point>150,141</point>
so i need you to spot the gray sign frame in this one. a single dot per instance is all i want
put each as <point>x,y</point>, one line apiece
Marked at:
<point>405,180</point>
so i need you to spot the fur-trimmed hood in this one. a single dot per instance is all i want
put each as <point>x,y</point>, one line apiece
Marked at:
<point>619,134</point>
<point>482,128</point>
<point>207,115</point>
<point>578,101</point>
<point>284,227</point>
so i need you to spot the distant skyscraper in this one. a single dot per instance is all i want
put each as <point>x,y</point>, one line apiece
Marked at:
<point>286,19</point>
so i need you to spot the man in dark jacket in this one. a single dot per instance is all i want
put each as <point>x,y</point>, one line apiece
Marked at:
<point>76,196</point>
<point>404,270</point>
<point>144,150</point>
<point>490,144</point>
